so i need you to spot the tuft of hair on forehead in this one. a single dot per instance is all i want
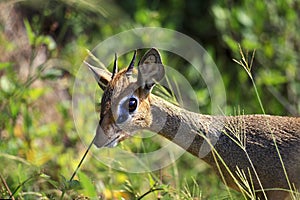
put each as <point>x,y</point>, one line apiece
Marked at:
<point>122,75</point>
<point>119,82</point>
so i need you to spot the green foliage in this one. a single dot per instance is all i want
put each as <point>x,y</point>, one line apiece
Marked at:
<point>39,155</point>
<point>270,28</point>
<point>87,185</point>
<point>37,40</point>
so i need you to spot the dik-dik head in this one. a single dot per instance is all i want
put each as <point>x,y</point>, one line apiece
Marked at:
<point>125,104</point>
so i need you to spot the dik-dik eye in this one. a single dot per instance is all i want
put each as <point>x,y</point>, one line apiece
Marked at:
<point>132,104</point>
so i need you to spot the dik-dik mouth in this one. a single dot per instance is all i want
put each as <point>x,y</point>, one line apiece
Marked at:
<point>102,140</point>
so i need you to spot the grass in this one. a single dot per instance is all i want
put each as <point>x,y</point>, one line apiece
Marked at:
<point>53,167</point>
<point>247,67</point>
<point>154,186</point>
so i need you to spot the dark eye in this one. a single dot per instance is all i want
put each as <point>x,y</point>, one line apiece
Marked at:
<point>132,104</point>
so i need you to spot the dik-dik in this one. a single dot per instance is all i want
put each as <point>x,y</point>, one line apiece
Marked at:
<point>128,106</point>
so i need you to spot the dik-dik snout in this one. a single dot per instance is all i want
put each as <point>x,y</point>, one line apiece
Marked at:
<point>125,104</point>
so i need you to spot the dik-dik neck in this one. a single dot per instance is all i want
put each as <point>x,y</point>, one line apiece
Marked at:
<point>186,129</point>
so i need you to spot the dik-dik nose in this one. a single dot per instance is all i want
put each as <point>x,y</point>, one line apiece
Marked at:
<point>100,139</point>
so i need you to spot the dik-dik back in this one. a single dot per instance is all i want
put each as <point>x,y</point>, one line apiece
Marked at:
<point>275,167</point>
<point>266,148</point>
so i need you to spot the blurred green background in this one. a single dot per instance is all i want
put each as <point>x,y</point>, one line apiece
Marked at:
<point>42,45</point>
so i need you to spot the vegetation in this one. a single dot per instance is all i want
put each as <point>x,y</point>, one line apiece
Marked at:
<point>44,44</point>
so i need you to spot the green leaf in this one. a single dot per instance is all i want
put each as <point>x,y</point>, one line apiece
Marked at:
<point>49,180</point>
<point>151,180</point>
<point>47,40</point>
<point>271,77</point>
<point>4,65</point>
<point>52,73</point>
<point>231,43</point>
<point>202,96</point>
<point>87,185</point>
<point>30,33</point>
<point>244,18</point>
<point>6,84</point>
<point>14,108</point>
<point>74,185</point>
<point>35,93</point>
<point>69,185</point>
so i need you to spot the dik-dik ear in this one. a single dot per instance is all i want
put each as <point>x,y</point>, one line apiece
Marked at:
<point>150,70</point>
<point>102,76</point>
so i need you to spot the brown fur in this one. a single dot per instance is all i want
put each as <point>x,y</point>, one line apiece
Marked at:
<point>245,142</point>
<point>259,131</point>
